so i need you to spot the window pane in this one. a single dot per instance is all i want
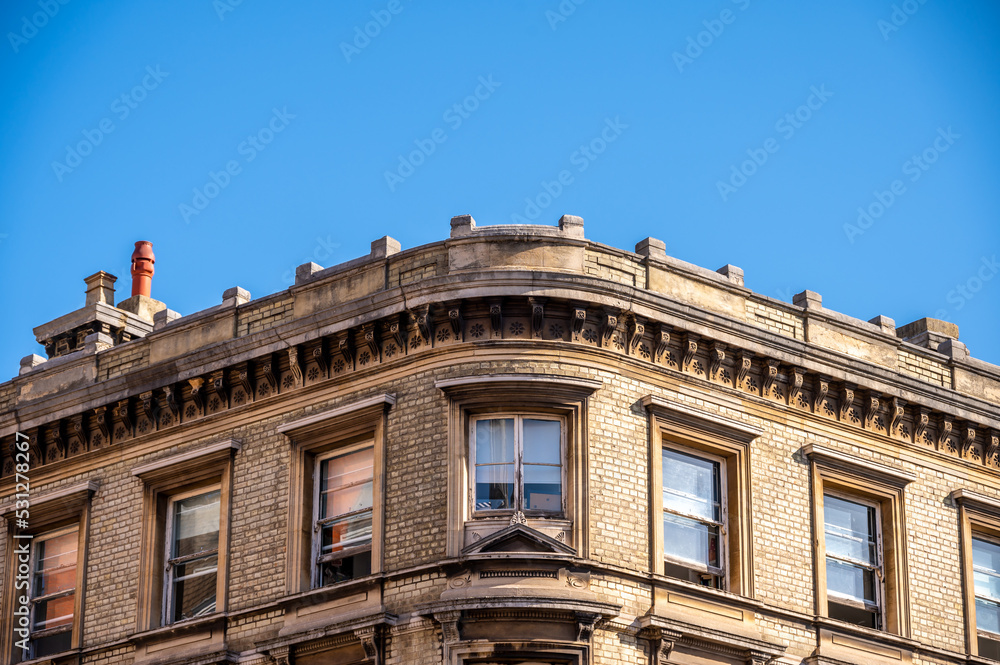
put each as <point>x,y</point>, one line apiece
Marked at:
<point>196,524</point>
<point>348,568</point>
<point>691,541</point>
<point>987,616</point>
<point>541,441</point>
<point>55,565</point>
<point>51,644</point>
<point>346,483</point>
<point>691,485</point>
<point>851,614</point>
<point>495,441</point>
<point>495,487</point>
<point>543,487</point>
<point>348,532</point>
<point>850,529</point>
<point>54,613</point>
<point>194,587</point>
<point>847,581</point>
<point>986,568</point>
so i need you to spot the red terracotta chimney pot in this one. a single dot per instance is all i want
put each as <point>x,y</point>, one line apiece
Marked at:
<point>142,268</point>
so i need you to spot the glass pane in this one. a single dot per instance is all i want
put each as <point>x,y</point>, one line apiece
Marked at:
<point>691,485</point>
<point>847,581</point>
<point>347,532</point>
<point>51,644</point>
<point>349,568</point>
<point>495,441</point>
<point>987,616</point>
<point>54,613</point>
<point>986,568</point>
<point>55,565</point>
<point>194,588</point>
<point>346,483</point>
<point>196,524</point>
<point>851,614</point>
<point>850,529</point>
<point>691,541</point>
<point>542,487</point>
<point>541,441</point>
<point>495,487</point>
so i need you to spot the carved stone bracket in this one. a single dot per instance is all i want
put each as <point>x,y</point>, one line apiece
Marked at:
<point>585,624</point>
<point>455,319</point>
<point>716,355</point>
<point>518,518</point>
<point>898,410</point>
<point>769,372</point>
<point>744,363</point>
<point>846,400</point>
<point>124,414</point>
<point>371,341</point>
<point>661,340</point>
<point>822,389</point>
<point>217,386</point>
<point>280,655</point>
<point>197,385</point>
<point>537,316</point>
<point>268,367</point>
<point>242,376</point>
<point>344,347</point>
<point>369,637</point>
<point>690,345</point>
<point>172,400</point>
<point>872,409</point>
<point>76,428</point>
<point>608,327</point>
<point>395,332</point>
<point>990,455</point>
<point>922,420</point>
<point>661,643</point>
<point>450,625</point>
<point>636,329</point>
<point>968,435</point>
<point>496,319</point>
<point>795,385</point>
<point>321,357</point>
<point>294,366</point>
<point>754,657</point>
<point>421,315</point>
<point>150,407</point>
<point>579,318</point>
<point>944,432</point>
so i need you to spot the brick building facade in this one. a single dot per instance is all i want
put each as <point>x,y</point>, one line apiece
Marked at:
<point>514,446</point>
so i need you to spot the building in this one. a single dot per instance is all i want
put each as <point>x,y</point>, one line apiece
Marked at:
<point>513,446</point>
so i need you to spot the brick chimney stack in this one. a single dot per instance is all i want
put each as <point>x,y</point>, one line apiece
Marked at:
<point>142,268</point>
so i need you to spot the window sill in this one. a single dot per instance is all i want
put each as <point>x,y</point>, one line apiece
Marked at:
<point>70,657</point>
<point>843,641</point>
<point>180,629</point>
<point>329,592</point>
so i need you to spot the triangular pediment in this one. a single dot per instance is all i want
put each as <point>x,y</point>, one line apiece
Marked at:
<point>518,538</point>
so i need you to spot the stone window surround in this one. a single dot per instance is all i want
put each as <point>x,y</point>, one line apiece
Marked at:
<point>852,477</point>
<point>54,510</point>
<point>312,437</point>
<point>684,428</point>
<point>203,468</point>
<point>524,394</point>
<point>979,515</point>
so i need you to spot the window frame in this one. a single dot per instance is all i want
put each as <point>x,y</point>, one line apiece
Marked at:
<point>57,511</point>
<point>979,518</point>
<point>692,431</point>
<point>321,436</point>
<point>863,481</point>
<point>166,480</point>
<point>168,538</point>
<point>723,524</point>
<point>41,538</point>
<point>878,605</point>
<point>519,499</point>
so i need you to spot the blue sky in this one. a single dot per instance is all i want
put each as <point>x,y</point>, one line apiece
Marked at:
<point>246,139</point>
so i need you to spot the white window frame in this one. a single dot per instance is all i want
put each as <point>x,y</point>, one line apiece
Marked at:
<point>719,573</point>
<point>518,417</point>
<point>169,566</point>
<point>317,557</point>
<point>34,635</point>
<point>995,541</point>
<point>878,568</point>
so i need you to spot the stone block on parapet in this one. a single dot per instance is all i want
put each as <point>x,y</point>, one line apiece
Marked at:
<point>101,288</point>
<point>28,363</point>
<point>163,317</point>
<point>385,246</point>
<point>885,323</point>
<point>571,225</point>
<point>462,225</point>
<point>954,349</point>
<point>651,247</point>
<point>237,295</point>
<point>142,306</point>
<point>95,342</point>
<point>808,299</point>
<point>305,272</point>
<point>928,333</point>
<point>733,273</point>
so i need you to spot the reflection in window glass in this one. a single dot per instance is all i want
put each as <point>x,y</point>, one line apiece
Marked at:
<point>692,515</point>
<point>53,592</point>
<point>518,464</point>
<point>193,563</point>
<point>852,561</point>
<point>345,516</point>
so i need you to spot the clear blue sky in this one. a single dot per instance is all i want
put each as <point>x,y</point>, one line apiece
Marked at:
<point>838,103</point>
